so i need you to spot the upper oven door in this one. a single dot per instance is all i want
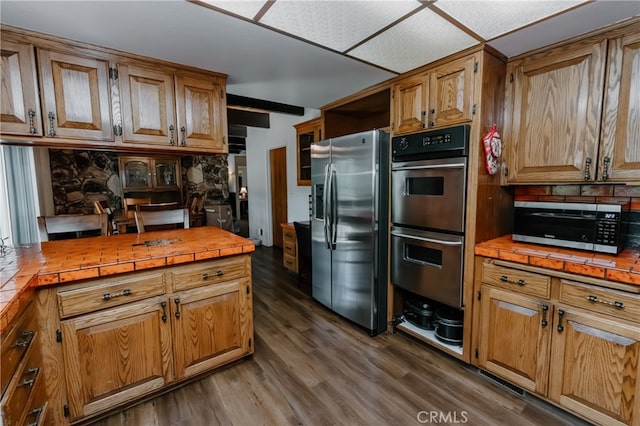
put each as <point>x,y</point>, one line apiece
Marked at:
<point>429,193</point>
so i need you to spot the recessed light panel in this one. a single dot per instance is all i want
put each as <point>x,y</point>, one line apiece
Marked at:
<point>246,8</point>
<point>418,40</point>
<point>338,25</point>
<point>491,18</point>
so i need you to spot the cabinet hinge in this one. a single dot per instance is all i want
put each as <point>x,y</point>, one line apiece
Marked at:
<point>247,289</point>
<point>477,354</point>
<point>475,67</point>
<point>222,94</point>
<point>58,336</point>
<point>506,171</point>
<point>511,78</point>
<point>473,109</point>
<point>117,130</point>
<point>250,342</point>
<point>113,73</point>
<point>479,295</point>
<point>65,410</point>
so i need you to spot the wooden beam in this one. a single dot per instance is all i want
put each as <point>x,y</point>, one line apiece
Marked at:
<point>248,118</point>
<point>243,101</point>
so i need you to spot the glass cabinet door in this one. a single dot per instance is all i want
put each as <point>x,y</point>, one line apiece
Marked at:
<point>166,174</point>
<point>137,174</point>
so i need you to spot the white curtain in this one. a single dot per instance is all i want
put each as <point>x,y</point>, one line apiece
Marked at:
<point>20,205</point>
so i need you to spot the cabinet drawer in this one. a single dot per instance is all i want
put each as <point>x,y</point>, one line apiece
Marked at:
<point>207,273</point>
<point>611,302</point>
<point>290,263</point>
<point>28,379</point>
<point>516,280</point>
<point>290,248</point>
<point>288,234</point>
<point>110,292</point>
<point>15,344</point>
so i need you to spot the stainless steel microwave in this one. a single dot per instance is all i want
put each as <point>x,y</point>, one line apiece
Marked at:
<point>593,227</point>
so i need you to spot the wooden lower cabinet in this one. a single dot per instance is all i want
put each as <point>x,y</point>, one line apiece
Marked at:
<point>578,348</point>
<point>211,326</point>
<point>594,367</point>
<point>194,318</point>
<point>116,355</point>
<point>290,248</point>
<point>516,338</point>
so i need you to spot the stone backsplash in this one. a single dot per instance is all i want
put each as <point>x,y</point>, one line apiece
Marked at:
<point>591,194</point>
<point>81,177</point>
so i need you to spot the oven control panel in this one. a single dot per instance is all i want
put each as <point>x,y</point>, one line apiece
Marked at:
<point>449,142</point>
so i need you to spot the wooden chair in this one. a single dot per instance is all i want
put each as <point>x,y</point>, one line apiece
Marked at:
<point>130,204</point>
<point>71,223</point>
<point>155,216</point>
<point>102,207</point>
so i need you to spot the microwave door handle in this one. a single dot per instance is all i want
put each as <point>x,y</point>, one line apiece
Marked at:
<point>429,240</point>
<point>432,166</point>
<point>325,204</point>
<point>334,209</point>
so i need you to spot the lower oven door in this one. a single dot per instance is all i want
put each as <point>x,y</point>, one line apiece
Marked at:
<point>428,263</point>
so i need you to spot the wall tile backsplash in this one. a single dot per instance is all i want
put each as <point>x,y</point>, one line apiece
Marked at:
<point>81,177</point>
<point>591,194</point>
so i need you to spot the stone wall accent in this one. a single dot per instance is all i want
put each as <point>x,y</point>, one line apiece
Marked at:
<point>205,176</point>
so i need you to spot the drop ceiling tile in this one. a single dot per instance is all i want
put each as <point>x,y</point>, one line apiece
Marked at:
<point>416,41</point>
<point>335,24</point>
<point>491,18</point>
<point>245,8</point>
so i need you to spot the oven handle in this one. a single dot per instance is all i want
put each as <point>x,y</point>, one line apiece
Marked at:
<point>429,240</point>
<point>432,166</point>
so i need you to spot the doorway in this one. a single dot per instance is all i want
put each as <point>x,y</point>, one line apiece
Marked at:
<point>278,168</point>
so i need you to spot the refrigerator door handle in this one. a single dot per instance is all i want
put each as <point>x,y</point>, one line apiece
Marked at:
<point>334,209</point>
<point>325,203</point>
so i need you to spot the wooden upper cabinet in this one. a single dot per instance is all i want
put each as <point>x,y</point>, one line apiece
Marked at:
<point>20,103</point>
<point>76,99</point>
<point>441,97</point>
<point>619,158</point>
<point>201,113</point>
<point>594,367</point>
<point>410,104</point>
<point>148,106</point>
<point>307,133</point>
<point>451,93</point>
<point>555,114</point>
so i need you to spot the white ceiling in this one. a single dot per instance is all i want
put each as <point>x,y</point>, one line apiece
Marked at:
<point>312,52</point>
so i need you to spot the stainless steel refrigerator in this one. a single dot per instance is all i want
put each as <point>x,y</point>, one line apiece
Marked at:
<point>349,226</point>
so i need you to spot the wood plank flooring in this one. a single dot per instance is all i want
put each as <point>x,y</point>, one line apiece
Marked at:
<point>312,367</point>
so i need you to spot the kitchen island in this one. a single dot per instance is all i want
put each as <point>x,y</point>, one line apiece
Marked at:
<point>118,318</point>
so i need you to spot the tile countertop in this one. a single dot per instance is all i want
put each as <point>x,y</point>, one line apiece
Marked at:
<point>623,268</point>
<point>23,269</point>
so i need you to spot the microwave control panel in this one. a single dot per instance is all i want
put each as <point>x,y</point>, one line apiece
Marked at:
<point>607,228</point>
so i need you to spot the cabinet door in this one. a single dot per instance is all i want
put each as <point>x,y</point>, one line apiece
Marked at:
<point>451,93</point>
<point>148,106</point>
<point>212,326</point>
<point>166,174</point>
<point>306,134</point>
<point>116,355</point>
<point>594,367</point>
<point>410,99</point>
<point>515,338</point>
<point>201,114</point>
<point>136,173</point>
<point>20,104</point>
<point>619,158</point>
<point>557,99</point>
<point>75,95</point>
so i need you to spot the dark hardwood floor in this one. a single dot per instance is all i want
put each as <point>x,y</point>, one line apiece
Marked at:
<point>312,367</point>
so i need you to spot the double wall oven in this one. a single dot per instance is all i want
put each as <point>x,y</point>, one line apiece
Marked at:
<point>428,182</point>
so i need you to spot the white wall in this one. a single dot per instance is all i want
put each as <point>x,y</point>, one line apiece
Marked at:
<point>259,142</point>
